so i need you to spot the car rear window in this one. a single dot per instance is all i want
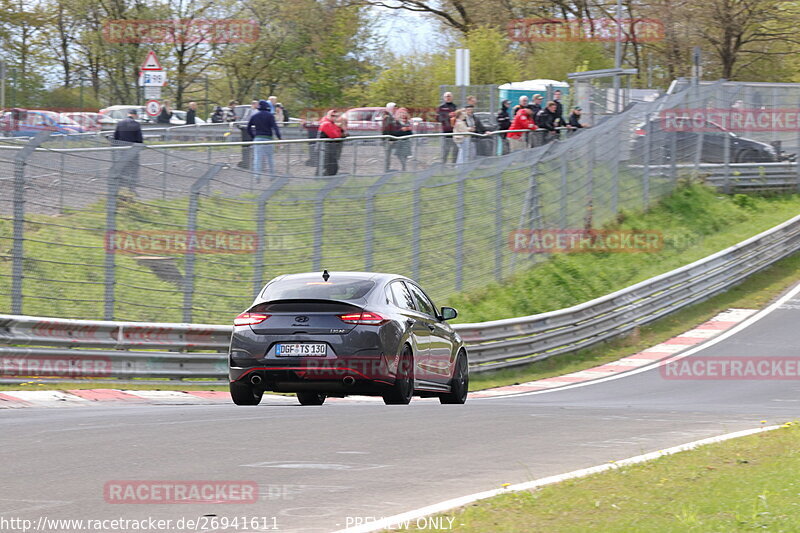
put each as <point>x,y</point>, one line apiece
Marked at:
<point>301,289</point>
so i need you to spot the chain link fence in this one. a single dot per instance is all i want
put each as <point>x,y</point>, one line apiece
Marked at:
<point>170,233</point>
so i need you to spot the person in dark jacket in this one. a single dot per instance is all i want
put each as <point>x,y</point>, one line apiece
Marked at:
<point>261,127</point>
<point>388,127</point>
<point>504,123</point>
<point>330,127</point>
<point>575,118</point>
<point>546,120</point>
<point>165,115</point>
<point>191,113</point>
<point>218,116</point>
<point>444,113</point>
<point>129,130</point>
<point>559,108</point>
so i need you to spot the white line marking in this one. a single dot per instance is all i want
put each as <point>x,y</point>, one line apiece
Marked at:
<point>447,505</point>
<point>724,335</point>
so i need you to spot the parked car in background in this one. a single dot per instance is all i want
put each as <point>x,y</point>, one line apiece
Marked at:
<point>90,122</point>
<point>179,118</point>
<point>29,122</point>
<point>115,113</point>
<point>369,121</point>
<point>682,138</point>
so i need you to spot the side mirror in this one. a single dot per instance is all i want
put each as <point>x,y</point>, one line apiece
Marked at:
<point>448,313</point>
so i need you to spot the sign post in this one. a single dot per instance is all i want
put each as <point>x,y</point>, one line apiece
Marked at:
<point>152,77</point>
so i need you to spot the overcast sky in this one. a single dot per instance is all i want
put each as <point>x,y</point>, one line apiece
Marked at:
<point>407,32</point>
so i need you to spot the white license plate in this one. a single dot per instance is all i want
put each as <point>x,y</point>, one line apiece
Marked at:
<point>301,350</point>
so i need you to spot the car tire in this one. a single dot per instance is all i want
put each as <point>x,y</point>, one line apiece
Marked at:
<point>459,385</point>
<point>245,394</point>
<point>403,389</point>
<point>310,398</point>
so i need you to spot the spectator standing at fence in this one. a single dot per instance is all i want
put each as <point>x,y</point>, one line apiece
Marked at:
<point>478,145</point>
<point>191,114</point>
<point>403,128</point>
<point>523,104</point>
<point>546,120</point>
<point>230,114</point>
<point>281,115</point>
<point>218,116</point>
<point>273,101</point>
<point>536,106</point>
<point>462,141</point>
<point>247,149</point>
<point>165,115</point>
<point>559,108</point>
<point>523,120</point>
<point>444,114</point>
<point>472,100</point>
<point>575,118</point>
<point>504,123</point>
<point>388,127</point>
<point>330,127</point>
<point>129,130</point>
<point>261,127</point>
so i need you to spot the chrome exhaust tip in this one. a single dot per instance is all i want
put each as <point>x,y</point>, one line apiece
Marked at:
<point>255,379</point>
<point>349,381</point>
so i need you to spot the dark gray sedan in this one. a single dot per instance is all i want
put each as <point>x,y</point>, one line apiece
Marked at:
<point>326,334</point>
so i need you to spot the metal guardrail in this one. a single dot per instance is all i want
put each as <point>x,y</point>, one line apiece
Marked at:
<point>136,350</point>
<point>740,176</point>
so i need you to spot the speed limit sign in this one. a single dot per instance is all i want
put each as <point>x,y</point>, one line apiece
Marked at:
<point>153,107</point>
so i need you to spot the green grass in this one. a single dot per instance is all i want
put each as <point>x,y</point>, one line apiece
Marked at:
<point>746,484</point>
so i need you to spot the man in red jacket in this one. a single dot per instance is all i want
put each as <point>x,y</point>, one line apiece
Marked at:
<point>330,128</point>
<point>523,120</point>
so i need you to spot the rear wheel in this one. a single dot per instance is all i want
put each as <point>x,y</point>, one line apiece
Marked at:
<point>748,156</point>
<point>403,388</point>
<point>459,385</point>
<point>310,398</point>
<point>245,394</point>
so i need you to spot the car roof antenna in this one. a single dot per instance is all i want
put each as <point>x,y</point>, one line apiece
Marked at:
<point>325,275</point>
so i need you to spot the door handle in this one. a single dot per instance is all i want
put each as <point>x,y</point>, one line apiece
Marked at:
<point>431,327</point>
<point>411,322</point>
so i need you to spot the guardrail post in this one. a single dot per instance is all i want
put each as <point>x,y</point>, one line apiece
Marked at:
<point>258,266</point>
<point>369,218</point>
<point>319,218</point>
<point>191,228</point>
<point>114,178</point>
<point>18,247</point>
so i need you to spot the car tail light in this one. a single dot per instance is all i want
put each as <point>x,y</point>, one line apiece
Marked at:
<point>365,318</point>
<point>640,131</point>
<point>249,319</point>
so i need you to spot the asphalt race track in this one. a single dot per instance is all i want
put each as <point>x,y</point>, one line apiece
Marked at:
<point>317,466</point>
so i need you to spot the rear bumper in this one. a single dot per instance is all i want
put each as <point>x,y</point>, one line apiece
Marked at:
<point>345,376</point>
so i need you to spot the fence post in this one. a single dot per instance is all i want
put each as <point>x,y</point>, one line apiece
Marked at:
<point>114,178</point>
<point>562,218</point>
<point>261,237</point>
<point>498,227</point>
<point>648,135</point>
<point>369,217</point>
<point>18,248</point>
<point>319,216</point>
<point>588,221</point>
<point>191,228</point>
<point>615,168</point>
<point>460,216</point>
<point>416,222</point>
